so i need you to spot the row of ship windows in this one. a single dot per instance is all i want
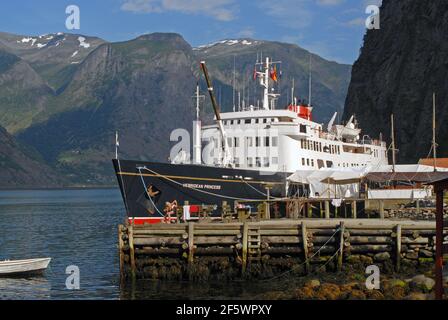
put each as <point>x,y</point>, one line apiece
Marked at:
<point>348,165</point>
<point>253,141</point>
<point>258,162</point>
<point>317,146</point>
<point>321,163</point>
<point>250,121</point>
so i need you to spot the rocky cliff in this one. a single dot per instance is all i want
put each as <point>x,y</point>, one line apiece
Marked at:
<point>399,68</point>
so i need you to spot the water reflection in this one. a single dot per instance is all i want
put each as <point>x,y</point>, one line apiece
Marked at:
<point>25,288</point>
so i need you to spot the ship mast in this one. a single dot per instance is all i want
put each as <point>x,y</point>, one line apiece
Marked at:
<point>264,81</point>
<point>393,142</point>
<point>197,144</point>
<point>434,144</point>
<point>309,84</point>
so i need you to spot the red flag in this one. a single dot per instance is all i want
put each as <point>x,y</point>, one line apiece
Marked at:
<point>274,73</point>
<point>255,73</point>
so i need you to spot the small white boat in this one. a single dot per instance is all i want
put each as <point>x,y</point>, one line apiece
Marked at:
<point>17,267</point>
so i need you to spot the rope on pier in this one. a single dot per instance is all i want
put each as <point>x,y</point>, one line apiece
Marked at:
<point>309,259</point>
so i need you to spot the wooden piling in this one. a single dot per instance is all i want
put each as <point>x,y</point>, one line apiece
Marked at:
<point>245,244</point>
<point>190,245</point>
<point>381,209</point>
<point>354,210</point>
<point>131,250</point>
<point>121,248</point>
<point>341,245</point>
<point>305,247</point>
<point>327,209</point>
<point>177,247</point>
<point>398,248</point>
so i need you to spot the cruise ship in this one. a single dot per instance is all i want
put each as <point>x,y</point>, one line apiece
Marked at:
<point>246,155</point>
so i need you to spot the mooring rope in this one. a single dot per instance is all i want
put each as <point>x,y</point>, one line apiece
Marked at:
<point>198,190</point>
<point>260,192</point>
<point>308,259</point>
<point>149,196</point>
<point>328,261</point>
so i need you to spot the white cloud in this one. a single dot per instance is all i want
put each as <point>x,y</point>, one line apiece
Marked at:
<point>223,10</point>
<point>329,2</point>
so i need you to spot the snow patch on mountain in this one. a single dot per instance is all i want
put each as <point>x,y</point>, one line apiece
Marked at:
<point>83,43</point>
<point>229,42</point>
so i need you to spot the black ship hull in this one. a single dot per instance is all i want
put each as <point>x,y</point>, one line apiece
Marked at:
<point>146,187</point>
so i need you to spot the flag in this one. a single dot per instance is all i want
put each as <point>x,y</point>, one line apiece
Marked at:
<point>274,73</point>
<point>255,73</point>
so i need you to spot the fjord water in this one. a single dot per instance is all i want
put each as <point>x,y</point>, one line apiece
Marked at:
<point>73,227</point>
<point>79,227</point>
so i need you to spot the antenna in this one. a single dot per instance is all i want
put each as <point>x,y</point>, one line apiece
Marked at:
<point>434,144</point>
<point>393,141</point>
<point>198,100</point>
<point>234,80</point>
<point>117,144</point>
<point>309,85</point>
<point>292,91</point>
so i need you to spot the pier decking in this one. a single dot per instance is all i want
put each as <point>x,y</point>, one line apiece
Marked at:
<point>264,249</point>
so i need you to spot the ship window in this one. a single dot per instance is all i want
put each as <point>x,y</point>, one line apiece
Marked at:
<point>274,160</point>
<point>250,162</point>
<point>247,121</point>
<point>258,162</point>
<point>257,141</point>
<point>307,162</point>
<point>266,161</point>
<point>329,164</point>
<point>266,141</point>
<point>274,141</point>
<point>236,142</point>
<point>303,128</point>
<point>312,162</point>
<point>265,120</point>
<point>301,143</point>
<point>249,141</point>
<point>320,163</point>
<point>303,161</point>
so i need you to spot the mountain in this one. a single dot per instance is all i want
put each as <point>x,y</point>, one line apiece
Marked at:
<point>399,68</point>
<point>141,88</point>
<point>68,106</point>
<point>37,69</point>
<point>330,80</point>
<point>21,168</point>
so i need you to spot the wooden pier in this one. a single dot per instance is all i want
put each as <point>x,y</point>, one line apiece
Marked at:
<point>263,249</point>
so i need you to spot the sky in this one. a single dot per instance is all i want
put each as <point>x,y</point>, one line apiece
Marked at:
<point>333,29</point>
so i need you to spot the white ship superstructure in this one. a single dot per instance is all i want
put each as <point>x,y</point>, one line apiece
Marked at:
<point>274,140</point>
